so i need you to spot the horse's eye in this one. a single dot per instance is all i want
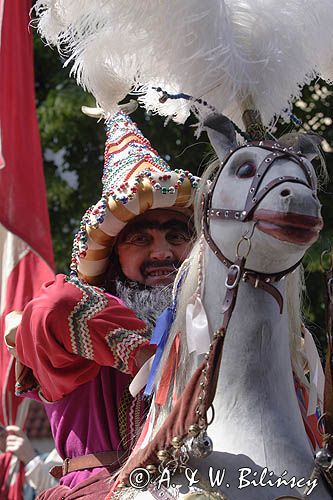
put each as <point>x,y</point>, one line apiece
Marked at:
<point>248,169</point>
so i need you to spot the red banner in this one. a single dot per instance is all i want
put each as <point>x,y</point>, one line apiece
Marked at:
<point>26,257</point>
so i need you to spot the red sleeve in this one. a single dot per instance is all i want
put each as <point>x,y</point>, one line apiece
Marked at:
<point>72,329</point>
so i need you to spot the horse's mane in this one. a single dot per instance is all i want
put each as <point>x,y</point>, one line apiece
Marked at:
<point>188,276</point>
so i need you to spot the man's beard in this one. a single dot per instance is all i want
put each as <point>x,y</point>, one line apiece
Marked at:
<point>148,302</point>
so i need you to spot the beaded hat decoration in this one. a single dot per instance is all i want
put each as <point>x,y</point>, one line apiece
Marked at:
<point>135,179</point>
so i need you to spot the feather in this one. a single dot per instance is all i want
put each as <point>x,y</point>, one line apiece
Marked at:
<point>222,51</point>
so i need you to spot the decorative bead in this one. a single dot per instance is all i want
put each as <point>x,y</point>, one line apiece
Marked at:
<point>177,442</point>
<point>163,455</point>
<point>194,430</point>
<point>152,468</point>
<point>323,459</point>
<point>164,190</point>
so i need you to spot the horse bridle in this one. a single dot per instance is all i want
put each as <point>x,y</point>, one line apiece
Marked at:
<point>256,194</point>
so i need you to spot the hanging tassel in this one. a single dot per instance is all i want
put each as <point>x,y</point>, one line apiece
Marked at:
<point>169,371</point>
<point>160,337</point>
<point>197,330</point>
<point>317,378</point>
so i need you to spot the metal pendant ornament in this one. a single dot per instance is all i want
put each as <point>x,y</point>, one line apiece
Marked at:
<point>201,446</point>
<point>324,462</point>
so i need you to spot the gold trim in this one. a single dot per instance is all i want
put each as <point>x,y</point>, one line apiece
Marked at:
<point>119,211</point>
<point>96,255</point>
<point>100,237</point>
<point>146,197</point>
<point>122,144</point>
<point>146,165</point>
<point>184,193</point>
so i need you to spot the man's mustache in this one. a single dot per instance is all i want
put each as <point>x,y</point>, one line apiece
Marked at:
<point>173,264</point>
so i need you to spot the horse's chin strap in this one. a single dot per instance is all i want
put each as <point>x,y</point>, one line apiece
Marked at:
<point>236,273</point>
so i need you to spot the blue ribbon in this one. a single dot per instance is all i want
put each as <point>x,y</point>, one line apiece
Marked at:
<point>159,337</point>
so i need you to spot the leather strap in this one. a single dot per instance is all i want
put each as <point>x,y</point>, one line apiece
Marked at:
<point>328,389</point>
<point>256,282</point>
<point>102,459</point>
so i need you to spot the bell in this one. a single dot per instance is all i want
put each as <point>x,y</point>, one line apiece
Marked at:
<point>163,455</point>
<point>201,446</point>
<point>323,459</point>
<point>194,430</point>
<point>177,442</point>
<point>152,469</point>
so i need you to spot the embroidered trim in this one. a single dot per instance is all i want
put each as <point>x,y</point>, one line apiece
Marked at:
<point>21,389</point>
<point>122,343</point>
<point>134,419</point>
<point>125,402</point>
<point>92,302</point>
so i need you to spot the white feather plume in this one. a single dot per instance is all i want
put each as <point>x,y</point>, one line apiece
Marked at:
<point>221,51</point>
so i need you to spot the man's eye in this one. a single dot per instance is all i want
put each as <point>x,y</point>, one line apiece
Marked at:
<point>178,238</point>
<point>248,169</point>
<point>137,239</point>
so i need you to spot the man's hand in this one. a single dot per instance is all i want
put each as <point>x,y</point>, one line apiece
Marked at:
<point>18,443</point>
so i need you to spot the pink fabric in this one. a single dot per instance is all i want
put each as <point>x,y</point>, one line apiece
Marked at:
<point>87,420</point>
<point>95,488</point>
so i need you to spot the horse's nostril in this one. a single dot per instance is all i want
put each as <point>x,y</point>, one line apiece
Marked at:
<point>285,193</point>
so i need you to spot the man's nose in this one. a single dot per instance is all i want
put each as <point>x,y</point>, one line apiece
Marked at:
<point>161,249</point>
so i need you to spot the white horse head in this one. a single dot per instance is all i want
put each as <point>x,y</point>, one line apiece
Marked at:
<point>287,219</point>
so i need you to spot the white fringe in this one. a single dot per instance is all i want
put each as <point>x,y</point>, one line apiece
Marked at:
<point>218,50</point>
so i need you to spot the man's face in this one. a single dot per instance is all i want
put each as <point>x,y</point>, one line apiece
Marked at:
<point>153,245</point>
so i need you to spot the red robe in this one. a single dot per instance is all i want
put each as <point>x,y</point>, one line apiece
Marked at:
<point>79,344</point>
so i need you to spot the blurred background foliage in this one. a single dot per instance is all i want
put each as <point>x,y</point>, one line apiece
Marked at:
<point>73,147</point>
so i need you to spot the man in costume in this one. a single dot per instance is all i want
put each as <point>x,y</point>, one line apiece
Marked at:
<point>78,345</point>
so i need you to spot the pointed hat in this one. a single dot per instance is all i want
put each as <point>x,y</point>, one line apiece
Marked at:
<point>135,179</point>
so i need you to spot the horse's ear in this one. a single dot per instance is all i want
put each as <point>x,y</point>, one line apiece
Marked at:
<point>307,143</point>
<point>221,134</point>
